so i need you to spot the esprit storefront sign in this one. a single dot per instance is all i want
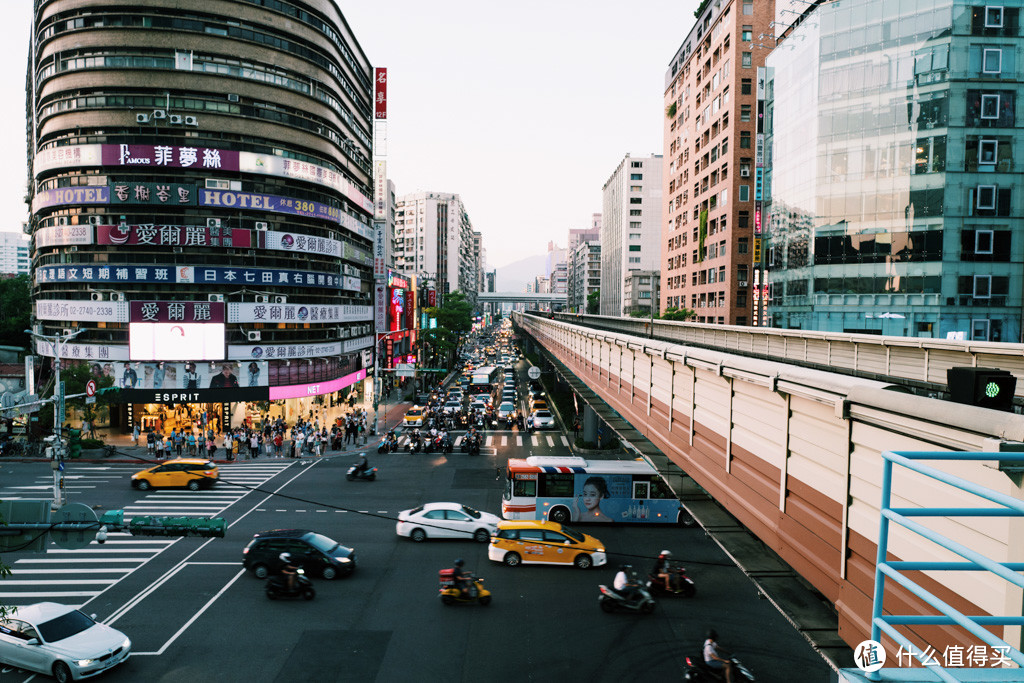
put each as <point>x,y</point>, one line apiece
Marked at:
<point>173,235</point>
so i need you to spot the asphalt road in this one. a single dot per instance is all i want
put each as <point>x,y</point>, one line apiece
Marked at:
<point>194,615</point>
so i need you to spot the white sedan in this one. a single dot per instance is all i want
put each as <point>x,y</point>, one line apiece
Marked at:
<point>59,641</point>
<point>542,419</point>
<point>506,409</point>
<point>446,520</point>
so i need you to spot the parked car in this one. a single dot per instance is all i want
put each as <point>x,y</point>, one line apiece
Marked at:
<point>446,520</point>
<point>315,553</point>
<point>190,473</point>
<point>59,641</point>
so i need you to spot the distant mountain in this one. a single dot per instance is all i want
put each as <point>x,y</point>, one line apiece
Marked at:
<point>514,276</point>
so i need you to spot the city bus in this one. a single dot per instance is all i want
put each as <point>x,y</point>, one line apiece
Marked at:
<point>572,489</point>
<point>484,381</point>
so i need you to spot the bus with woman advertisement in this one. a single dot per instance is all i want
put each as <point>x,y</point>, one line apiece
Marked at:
<point>572,489</point>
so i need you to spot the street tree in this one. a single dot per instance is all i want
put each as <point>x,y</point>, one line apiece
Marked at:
<point>454,318</point>
<point>594,302</point>
<point>15,310</point>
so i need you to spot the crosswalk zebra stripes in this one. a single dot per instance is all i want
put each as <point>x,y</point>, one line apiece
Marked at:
<point>73,577</point>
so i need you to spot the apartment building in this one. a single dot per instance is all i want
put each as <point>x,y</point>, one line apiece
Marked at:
<point>708,235</point>
<point>630,226</point>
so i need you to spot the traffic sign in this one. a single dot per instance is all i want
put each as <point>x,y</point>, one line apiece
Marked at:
<point>533,372</point>
<point>90,388</point>
<point>405,370</point>
<point>77,538</point>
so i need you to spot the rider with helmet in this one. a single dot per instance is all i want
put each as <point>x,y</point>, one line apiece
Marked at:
<point>461,576</point>
<point>287,570</point>
<point>663,572</point>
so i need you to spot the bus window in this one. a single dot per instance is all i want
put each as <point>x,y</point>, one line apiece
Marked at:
<point>557,485</point>
<point>524,488</point>
<point>659,489</point>
<point>641,489</point>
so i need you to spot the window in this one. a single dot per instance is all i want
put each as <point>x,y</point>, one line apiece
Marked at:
<point>990,106</point>
<point>746,62</point>
<point>634,259</point>
<point>993,17</point>
<point>745,139</point>
<point>636,200</point>
<point>748,7</point>
<point>987,152</point>
<point>982,286</point>
<point>986,195</point>
<point>634,225</point>
<point>983,242</point>
<point>634,247</point>
<point>746,86</point>
<point>747,35</point>
<point>745,193</point>
<point>743,219</point>
<point>991,61</point>
<point>745,112</point>
<point>635,212</point>
<point>636,188</point>
<point>636,176</point>
<point>742,246</point>
<point>634,235</point>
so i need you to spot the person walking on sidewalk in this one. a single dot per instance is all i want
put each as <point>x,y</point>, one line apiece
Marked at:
<point>135,433</point>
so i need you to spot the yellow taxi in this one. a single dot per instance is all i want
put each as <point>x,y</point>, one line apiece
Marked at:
<point>190,473</point>
<point>538,404</point>
<point>415,417</point>
<point>532,541</point>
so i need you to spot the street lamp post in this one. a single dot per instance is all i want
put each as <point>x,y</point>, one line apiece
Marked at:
<point>57,458</point>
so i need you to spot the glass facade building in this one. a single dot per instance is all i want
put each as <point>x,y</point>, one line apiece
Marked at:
<point>895,203</point>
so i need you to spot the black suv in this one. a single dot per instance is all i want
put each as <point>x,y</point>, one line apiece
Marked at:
<point>314,552</point>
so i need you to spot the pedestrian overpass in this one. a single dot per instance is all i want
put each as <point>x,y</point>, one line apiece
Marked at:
<point>785,432</point>
<point>543,300</point>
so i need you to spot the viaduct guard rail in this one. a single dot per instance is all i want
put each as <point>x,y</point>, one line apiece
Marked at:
<point>918,361</point>
<point>795,454</point>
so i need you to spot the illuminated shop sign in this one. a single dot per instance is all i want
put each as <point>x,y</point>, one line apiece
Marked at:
<point>321,350</point>
<point>70,195</point>
<point>246,312</point>
<point>298,243</point>
<point>397,281</point>
<point>170,156</point>
<point>173,235</point>
<point>300,390</point>
<point>176,194</point>
<point>176,341</point>
<point>176,311</point>
<point>187,275</point>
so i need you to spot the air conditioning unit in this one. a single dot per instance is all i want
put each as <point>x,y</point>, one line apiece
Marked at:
<point>67,332</point>
<point>96,296</point>
<point>253,335</point>
<point>744,172</point>
<point>280,299</point>
<point>159,114</point>
<point>742,283</point>
<point>142,118</point>
<point>262,299</point>
<point>117,296</point>
<point>213,222</point>
<point>95,220</point>
<point>175,119</point>
<point>191,121</point>
<point>216,297</point>
<point>62,220</point>
<point>232,97</point>
<point>261,225</point>
<point>178,250</point>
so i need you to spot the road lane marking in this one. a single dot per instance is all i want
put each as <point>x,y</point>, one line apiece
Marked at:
<point>504,441</point>
<point>535,440</point>
<point>519,441</point>
<point>490,441</point>
<point>565,441</point>
<point>551,442</point>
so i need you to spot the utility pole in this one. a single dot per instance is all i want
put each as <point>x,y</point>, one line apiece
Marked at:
<point>57,444</point>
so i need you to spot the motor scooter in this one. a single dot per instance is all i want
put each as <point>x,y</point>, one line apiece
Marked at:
<point>686,587</point>
<point>452,595</point>
<point>388,444</point>
<point>446,444</point>
<point>699,672</point>
<point>611,600</point>
<point>364,475</point>
<point>415,443</point>
<point>277,587</point>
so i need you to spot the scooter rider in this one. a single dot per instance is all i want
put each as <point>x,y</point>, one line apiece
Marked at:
<point>624,585</point>
<point>288,571</point>
<point>713,658</point>
<point>362,465</point>
<point>663,572</point>
<point>462,577</point>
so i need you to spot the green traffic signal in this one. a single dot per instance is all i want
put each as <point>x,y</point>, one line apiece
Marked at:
<point>991,390</point>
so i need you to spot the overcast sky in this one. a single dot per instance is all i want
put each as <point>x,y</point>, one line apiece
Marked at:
<point>523,109</point>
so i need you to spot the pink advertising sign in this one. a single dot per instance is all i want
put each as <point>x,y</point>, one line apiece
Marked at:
<point>300,390</point>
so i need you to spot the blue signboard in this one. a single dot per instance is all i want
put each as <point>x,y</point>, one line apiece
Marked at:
<point>187,275</point>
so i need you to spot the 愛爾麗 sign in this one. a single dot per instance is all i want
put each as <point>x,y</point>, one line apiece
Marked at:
<point>176,311</point>
<point>380,306</point>
<point>246,312</point>
<point>299,243</point>
<point>173,236</point>
<point>171,156</point>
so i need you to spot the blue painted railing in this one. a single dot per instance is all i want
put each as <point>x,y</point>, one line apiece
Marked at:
<point>1009,507</point>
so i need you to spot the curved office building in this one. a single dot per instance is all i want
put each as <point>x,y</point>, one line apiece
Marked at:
<point>201,200</point>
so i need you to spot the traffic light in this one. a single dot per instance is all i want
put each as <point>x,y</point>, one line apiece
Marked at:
<point>164,526</point>
<point>74,443</point>
<point>983,387</point>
